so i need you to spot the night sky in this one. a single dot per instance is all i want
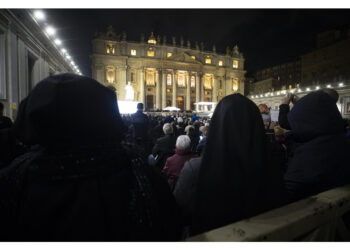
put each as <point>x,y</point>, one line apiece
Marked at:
<point>266,37</point>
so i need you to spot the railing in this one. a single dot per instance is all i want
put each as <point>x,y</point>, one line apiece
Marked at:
<point>317,218</point>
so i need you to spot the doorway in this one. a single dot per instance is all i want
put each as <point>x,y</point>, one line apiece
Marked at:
<point>149,102</point>
<point>180,102</point>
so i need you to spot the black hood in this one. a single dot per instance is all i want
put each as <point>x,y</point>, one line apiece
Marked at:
<point>69,110</point>
<point>314,115</point>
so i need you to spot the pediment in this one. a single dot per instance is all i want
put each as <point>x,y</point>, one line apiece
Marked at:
<point>183,57</point>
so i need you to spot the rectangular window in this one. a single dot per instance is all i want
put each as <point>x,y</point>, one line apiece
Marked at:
<point>208,60</point>
<point>193,57</point>
<point>193,82</point>
<point>181,80</point>
<point>133,52</point>
<point>168,79</point>
<point>150,79</point>
<point>150,52</point>
<point>220,63</point>
<point>169,54</point>
<point>235,64</point>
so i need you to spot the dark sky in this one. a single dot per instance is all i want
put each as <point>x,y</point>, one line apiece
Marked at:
<point>266,37</point>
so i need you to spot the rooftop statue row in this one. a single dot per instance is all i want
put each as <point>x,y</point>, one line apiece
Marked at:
<point>110,34</point>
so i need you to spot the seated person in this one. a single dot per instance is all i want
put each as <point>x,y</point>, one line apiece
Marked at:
<point>164,147</point>
<point>175,163</point>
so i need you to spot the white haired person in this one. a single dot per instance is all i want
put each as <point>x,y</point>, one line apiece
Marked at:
<point>175,163</point>
<point>164,147</point>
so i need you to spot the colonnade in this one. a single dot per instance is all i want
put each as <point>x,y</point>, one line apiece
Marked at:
<point>161,87</point>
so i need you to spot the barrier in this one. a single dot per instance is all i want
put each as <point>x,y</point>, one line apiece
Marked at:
<point>316,218</point>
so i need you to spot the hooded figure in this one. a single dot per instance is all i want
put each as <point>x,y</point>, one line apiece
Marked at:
<point>80,182</point>
<point>235,181</point>
<point>319,159</point>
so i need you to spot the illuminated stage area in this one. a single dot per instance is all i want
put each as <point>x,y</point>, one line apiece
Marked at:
<point>127,107</point>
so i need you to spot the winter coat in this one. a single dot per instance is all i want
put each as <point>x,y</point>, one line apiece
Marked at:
<point>174,165</point>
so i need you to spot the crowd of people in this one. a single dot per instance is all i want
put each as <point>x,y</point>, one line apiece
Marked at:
<point>72,168</point>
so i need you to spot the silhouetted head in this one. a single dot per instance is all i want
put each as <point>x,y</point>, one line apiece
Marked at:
<point>69,111</point>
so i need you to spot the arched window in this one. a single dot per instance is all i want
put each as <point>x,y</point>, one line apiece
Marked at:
<point>110,74</point>
<point>235,84</point>
<point>150,52</point>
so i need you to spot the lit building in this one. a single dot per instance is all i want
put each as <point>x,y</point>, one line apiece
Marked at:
<point>281,76</point>
<point>329,61</point>
<point>162,74</point>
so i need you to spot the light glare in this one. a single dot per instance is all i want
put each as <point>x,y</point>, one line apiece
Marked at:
<point>58,41</point>
<point>50,30</point>
<point>39,15</point>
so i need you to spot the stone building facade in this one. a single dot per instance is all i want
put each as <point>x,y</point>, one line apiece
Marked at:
<point>329,61</point>
<point>27,56</point>
<point>280,76</point>
<point>160,74</point>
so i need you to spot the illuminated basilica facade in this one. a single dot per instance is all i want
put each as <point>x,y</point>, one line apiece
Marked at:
<point>160,74</point>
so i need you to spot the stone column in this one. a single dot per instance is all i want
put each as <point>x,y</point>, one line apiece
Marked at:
<point>122,81</point>
<point>188,92</point>
<point>202,88</point>
<point>197,88</point>
<point>174,101</point>
<point>158,83</point>
<point>164,89</point>
<point>142,86</point>
<point>215,89</point>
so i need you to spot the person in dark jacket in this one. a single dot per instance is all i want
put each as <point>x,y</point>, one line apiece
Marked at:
<point>318,160</point>
<point>141,126</point>
<point>236,178</point>
<point>203,141</point>
<point>175,163</point>
<point>164,147</point>
<point>79,182</point>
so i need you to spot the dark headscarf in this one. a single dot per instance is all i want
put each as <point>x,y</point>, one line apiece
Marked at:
<point>232,174</point>
<point>319,160</point>
<point>314,115</point>
<point>69,110</point>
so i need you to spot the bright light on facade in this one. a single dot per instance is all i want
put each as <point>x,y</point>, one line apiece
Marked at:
<point>252,97</point>
<point>256,96</point>
<point>50,30</point>
<point>63,51</point>
<point>307,89</point>
<point>341,84</point>
<point>299,90</point>
<point>329,86</point>
<point>318,87</point>
<point>68,56</point>
<point>58,41</point>
<point>39,15</point>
